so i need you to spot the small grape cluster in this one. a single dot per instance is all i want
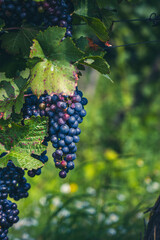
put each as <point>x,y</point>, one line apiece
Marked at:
<point>65,114</point>
<point>30,107</point>
<point>13,182</point>
<point>8,216</point>
<point>43,158</point>
<point>47,13</point>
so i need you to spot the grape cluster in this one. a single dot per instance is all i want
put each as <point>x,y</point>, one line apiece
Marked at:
<point>8,216</point>
<point>13,182</point>
<point>65,114</point>
<point>46,13</point>
<point>14,185</point>
<point>64,129</point>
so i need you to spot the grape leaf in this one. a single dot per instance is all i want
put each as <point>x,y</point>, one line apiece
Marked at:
<point>19,102</point>
<point>8,90</point>
<point>96,62</point>
<point>85,7</point>
<point>4,78</point>
<point>108,17</point>
<point>11,64</point>
<point>11,93</point>
<point>20,141</point>
<point>55,49</point>
<point>81,7</point>
<point>6,108</point>
<point>82,43</point>
<point>36,50</point>
<point>97,26</point>
<point>2,149</point>
<point>18,42</point>
<point>25,73</point>
<point>52,77</point>
<point>90,47</point>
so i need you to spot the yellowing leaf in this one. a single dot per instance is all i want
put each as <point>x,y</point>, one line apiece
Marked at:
<point>52,77</point>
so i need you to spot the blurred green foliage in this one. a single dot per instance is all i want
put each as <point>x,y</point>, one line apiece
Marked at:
<point>117,175</point>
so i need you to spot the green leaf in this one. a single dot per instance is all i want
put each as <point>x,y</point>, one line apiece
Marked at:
<point>18,42</point>
<point>2,149</point>
<point>68,51</point>
<point>6,108</point>
<point>8,90</point>
<point>108,17</point>
<point>95,50</point>
<point>97,26</point>
<point>81,7</point>
<point>85,7</point>
<point>19,102</point>
<point>11,94</point>
<point>52,77</point>
<point>54,48</point>
<point>4,78</point>
<point>36,50</point>
<point>11,64</point>
<point>20,141</point>
<point>108,77</point>
<point>96,62</point>
<point>25,73</point>
<point>20,159</point>
<point>31,62</point>
<point>82,43</point>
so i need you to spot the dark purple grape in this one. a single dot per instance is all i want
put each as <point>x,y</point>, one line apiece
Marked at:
<point>78,107</point>
<point>61,121</point>
<point>62,174</point>
<point>76,139</point>
<point>68,140</point>
<point>70,111</point>
<point>84,101</point>
<point>83,113</point>
<point>61,143</point>
<point>71,120</point>
<point>65,150</point>
<point>64,129</point>
<point>70,165</point>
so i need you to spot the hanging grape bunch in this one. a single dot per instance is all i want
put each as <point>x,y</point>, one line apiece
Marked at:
<point>44,14</point>
<point>65,114</point>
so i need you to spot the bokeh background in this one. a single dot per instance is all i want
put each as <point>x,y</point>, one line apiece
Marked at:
<point>117,174</point>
